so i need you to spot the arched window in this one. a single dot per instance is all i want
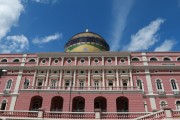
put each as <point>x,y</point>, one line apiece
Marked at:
<point>100,103</point>
<point>163,104</point>
<point>9,83</point>
<point>139,84</point>
<point>36,103</point>
<point>153,59</point>
<point>57,103</point>
<point>173,84</point>
<point>32,60</point>
<point>135,59</point>
<point>26,83</point>
<point>3,105</point>
<point>16,60</point>
<point>4,60</point>
<point>166,59</point>
<point>78,104</point>
<point>178,105</point>
<point>159,84</point>
<point>122,104</point>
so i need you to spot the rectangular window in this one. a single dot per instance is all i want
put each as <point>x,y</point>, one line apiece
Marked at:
<point>39,84</point>
<point>53,84</point>
<point>81,84</point>
<point>96,84</point>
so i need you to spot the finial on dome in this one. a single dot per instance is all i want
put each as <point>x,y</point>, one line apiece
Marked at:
<point>87,30</point>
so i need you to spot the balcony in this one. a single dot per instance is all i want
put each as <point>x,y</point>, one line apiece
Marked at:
<point>85,89</point>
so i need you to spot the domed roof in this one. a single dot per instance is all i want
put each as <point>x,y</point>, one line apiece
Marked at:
<point>86,42</point>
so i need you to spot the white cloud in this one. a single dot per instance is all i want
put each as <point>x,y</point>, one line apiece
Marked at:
<point>167,45</point>
<point>46,1</point>
<point>16,43</point>
<point>145,37</point>
<point>47,39</point>
<point>121,9</point>
<point>10,11</point>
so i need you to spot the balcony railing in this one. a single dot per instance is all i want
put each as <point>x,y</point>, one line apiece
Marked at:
<point>82,88</point>
<point>29,114</point>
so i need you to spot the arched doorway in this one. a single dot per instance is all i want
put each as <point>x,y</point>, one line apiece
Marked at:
<point>100,103</point>
<point>56,103</point>
<point>36,103</point>
<point>78,104</point>
<point>122,104</point>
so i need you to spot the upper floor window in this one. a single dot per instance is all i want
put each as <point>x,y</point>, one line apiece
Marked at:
<point>153,59</point>
<point>39,83</point>
<point>110,83</point>
<point>16,60</point>
<point>82,60</point>
<point>96,84</point>
<point>135,59</point>
<point>96,60</point>
<point>109,60</point>
<point>9,83</point>
<point>163,104</point>
<point>81,84</point>
<point>56,61</point>
<point>53,84</point>
<point>43,61</point>
<point>69,61</point>
<point>32,60</point>
<point>159,84</point>
<point>4,60</point>
<point>166,59</point>
<point>125,83</point>
<point>173,84</point>
<point>178,59</point>
<point>26,83</point>
<point>123,60</point>
<point>67,83</point>
<point>3,105</point>
<point>139,84</point>
<point>178,105</point>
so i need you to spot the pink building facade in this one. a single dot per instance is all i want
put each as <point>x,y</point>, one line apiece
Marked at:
<point>85,81</point>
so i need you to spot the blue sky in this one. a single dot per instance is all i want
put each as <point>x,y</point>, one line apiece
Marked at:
<point>31,26</point>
